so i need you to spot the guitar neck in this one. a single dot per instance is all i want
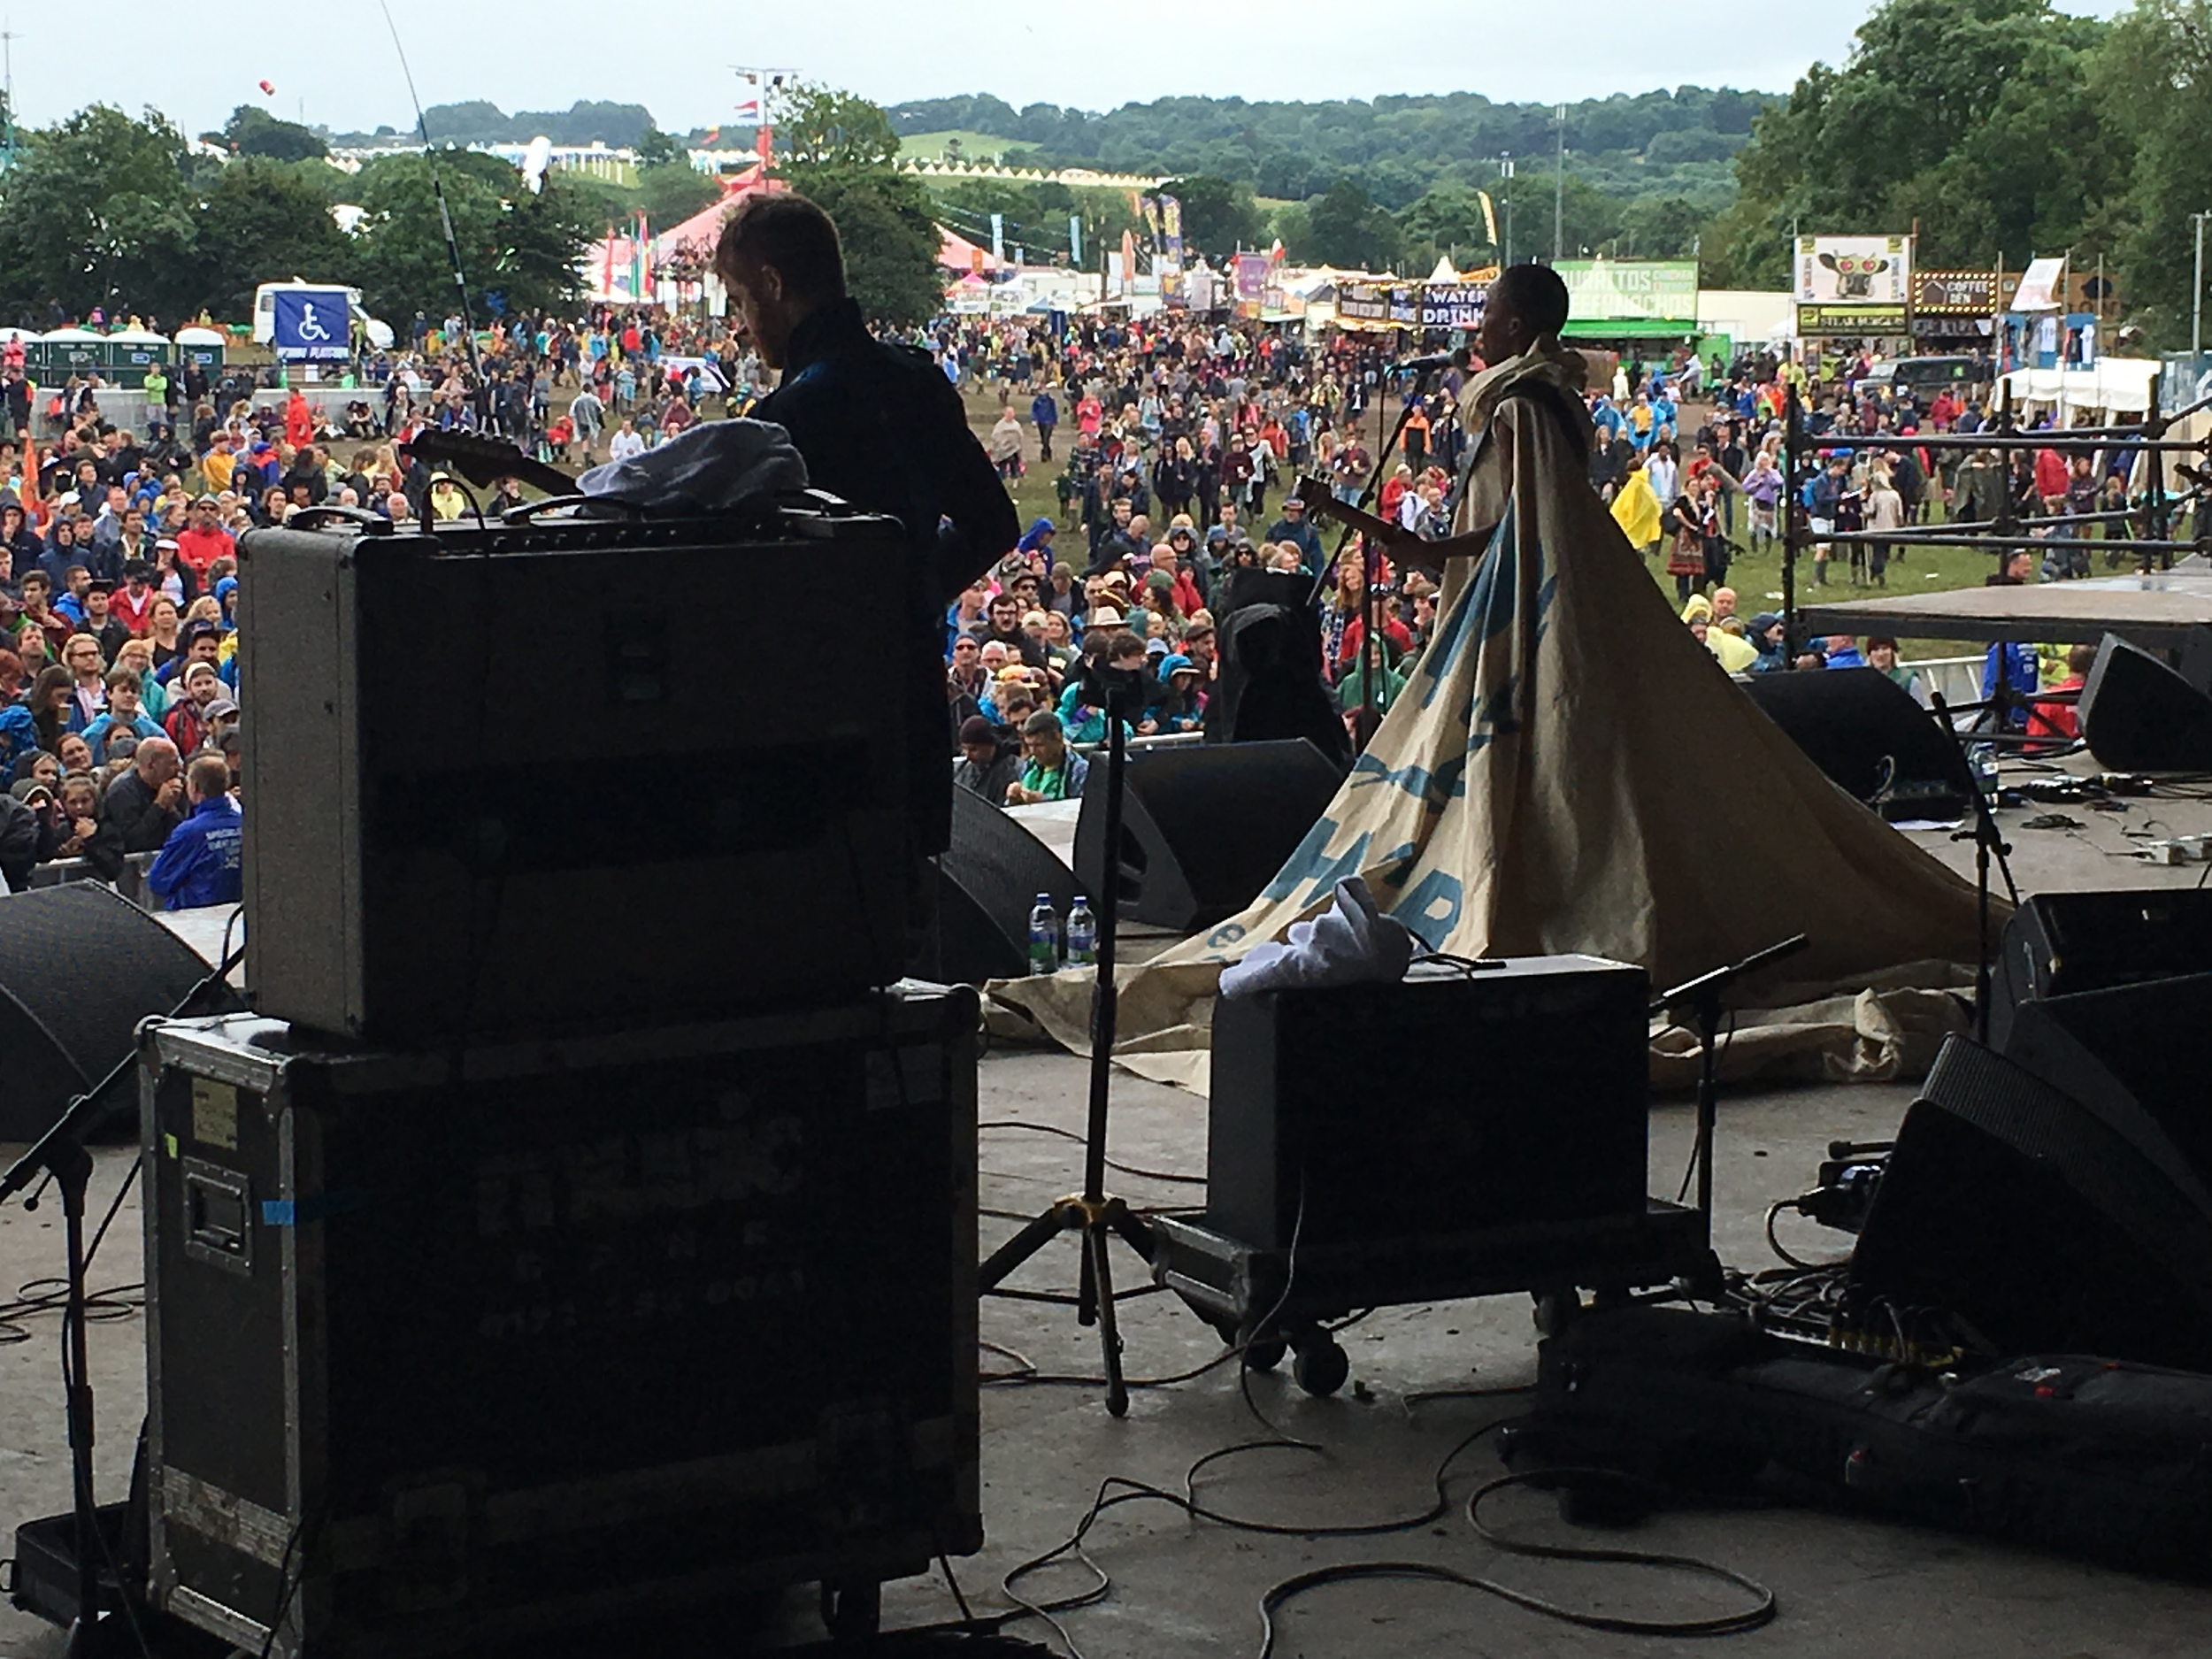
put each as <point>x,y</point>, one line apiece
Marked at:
<point>1364,522</point>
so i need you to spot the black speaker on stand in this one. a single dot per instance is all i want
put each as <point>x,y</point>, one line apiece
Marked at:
<point>2047,1224</point>
<point>2139,715</point>
<point>1204,827</point>
<point>80,966</point>
<point>2063,944</point>
<point>1873,741</point>
<point>988,881</point>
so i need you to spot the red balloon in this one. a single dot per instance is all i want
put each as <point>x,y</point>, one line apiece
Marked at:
<point>269,86</point>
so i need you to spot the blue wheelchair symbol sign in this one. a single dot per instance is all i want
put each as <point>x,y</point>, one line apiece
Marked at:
<point>310,325</point>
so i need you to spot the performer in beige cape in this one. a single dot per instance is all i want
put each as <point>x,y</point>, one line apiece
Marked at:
<point>1569,770</point>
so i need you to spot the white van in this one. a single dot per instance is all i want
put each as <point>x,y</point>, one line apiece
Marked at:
<point>377,331</point>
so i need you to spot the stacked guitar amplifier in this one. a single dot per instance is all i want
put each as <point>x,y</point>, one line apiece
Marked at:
<point>583,1224</point>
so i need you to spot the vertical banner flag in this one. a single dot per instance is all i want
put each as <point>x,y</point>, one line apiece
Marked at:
<point>1171,250</point>
<point>1075,241</point>
<point>998,237</point>
<point>1128,260</point>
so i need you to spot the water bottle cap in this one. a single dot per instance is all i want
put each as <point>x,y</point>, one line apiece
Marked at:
<point>1044,898</point>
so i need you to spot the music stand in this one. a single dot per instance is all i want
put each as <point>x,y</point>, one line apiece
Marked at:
<point>1094,1212</point>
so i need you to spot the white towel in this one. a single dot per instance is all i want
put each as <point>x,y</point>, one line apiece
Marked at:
<point>1352,942</point>
<point>714,467</point>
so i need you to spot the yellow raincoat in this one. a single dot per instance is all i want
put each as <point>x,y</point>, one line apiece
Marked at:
<point>1636,510</point>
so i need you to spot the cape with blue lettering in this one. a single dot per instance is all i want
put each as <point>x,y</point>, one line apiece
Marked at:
<point>1569,770</point>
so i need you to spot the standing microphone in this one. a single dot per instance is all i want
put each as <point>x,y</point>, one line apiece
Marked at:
<point>1457,359</point>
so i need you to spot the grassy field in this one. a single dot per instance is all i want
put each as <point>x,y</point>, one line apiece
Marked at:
<point>973,146</point>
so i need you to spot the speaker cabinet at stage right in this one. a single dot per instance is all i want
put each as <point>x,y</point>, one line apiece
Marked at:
<point>1515,1096</point>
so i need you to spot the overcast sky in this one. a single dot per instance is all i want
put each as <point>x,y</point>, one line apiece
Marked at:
<point>336,66</point>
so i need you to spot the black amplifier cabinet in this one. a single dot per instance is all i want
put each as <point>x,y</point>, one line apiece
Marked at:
<point>2062,944</point>
<point>1449,1102</point>
<point>504,779</point>
<point>444,1351</point>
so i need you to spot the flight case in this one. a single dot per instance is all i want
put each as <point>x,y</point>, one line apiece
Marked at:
<point>444,1349</point>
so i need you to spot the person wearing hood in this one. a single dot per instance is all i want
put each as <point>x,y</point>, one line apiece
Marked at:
<point>990,759</point>
<point>1038,538</point>
<point>1389,683</point>
<point>1636,510</point>
<point>17,538</point>
<point>1181,703</point>
<point>1766,638</point>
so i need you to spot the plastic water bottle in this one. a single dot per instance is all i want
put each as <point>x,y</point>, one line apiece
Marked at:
<point>1082,935</point>
<point>1983,756</point>
<point>1044,936</point>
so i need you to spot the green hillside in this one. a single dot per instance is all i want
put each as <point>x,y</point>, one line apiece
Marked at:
<point>965,145</point>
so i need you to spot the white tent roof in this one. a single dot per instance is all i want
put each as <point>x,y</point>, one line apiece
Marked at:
<point>2117,383</point>
<point>1443,272</point>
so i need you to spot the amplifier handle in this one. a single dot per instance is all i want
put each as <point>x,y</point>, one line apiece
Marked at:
<point>530,509</point>
<point>359,517</point>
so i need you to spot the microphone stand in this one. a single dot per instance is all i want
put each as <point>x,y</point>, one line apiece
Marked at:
<point>1699,1000</point>
<point>1094,1212</point>
<point>1987,840</point>
<point>60,1155</point>
<point>1368,556</point>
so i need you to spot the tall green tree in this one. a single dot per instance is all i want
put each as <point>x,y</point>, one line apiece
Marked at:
<point>1974,117</point>
<point>656,149</point>
<point>94,212</point>
<point>837,150</point>
<point>1219,216</point>
<point>262,221</point>
<point>254,132</point>
<point>519,250</point>
<point>2154,78</point>
<point>1447,219</point>
<point>1346,226</point>
<point>890,239</point>
<point>821,126</point>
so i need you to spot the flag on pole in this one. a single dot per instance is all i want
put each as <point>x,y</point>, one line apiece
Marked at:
<point>1489,216</point>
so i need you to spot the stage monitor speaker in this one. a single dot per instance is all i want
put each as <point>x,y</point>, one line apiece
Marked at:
<point>1203,828</point>
<point>2061,944</point>
<point>2139,715</point>
<point>80,966</point>
<point>2046,1225</point>
<point>2138,1055</point>
<point>1873,741</point>
<point>989,879</point>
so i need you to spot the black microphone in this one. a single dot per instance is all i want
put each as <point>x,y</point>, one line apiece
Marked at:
<point>1435,360</point>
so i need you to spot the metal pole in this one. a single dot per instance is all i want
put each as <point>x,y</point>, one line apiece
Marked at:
<point>1559,192</point>
<point>2196,297</point>
<point>1793,445</point>
<point>2005,520</point>
<point>1505,173</point>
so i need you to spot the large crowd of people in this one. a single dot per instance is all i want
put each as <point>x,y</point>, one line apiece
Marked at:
<point>1170,443</point>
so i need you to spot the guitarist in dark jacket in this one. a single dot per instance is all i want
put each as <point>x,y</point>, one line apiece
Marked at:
<point>878,425</point>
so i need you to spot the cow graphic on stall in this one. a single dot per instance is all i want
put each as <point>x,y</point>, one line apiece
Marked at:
<point>1855,273</point>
